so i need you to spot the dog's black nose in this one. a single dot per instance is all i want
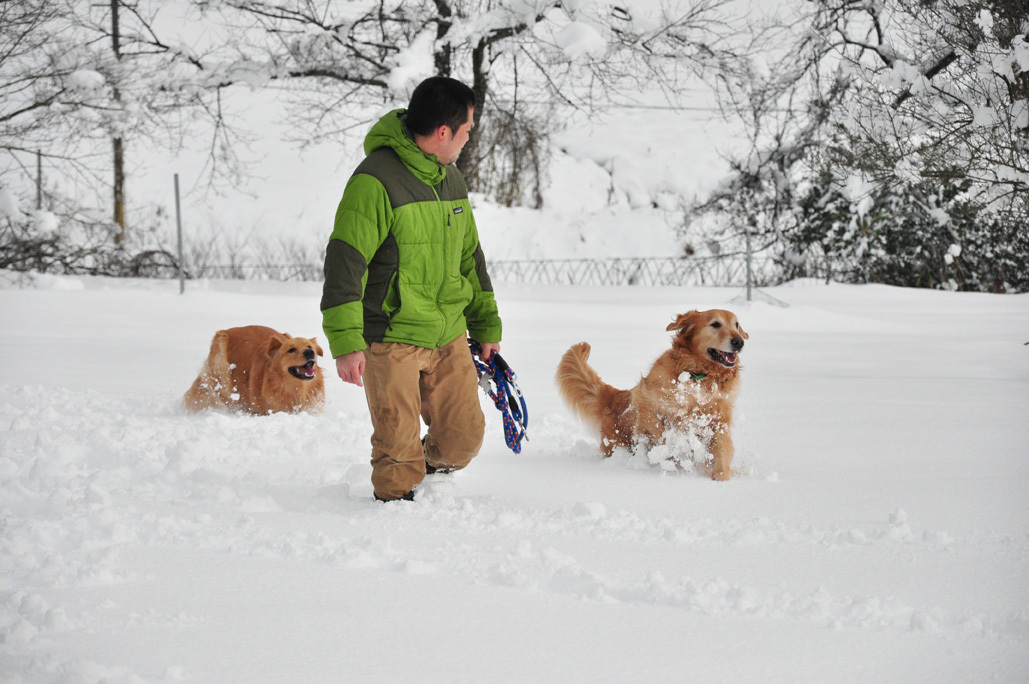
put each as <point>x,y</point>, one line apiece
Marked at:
<point>737,343</point>
<point>309,354</point>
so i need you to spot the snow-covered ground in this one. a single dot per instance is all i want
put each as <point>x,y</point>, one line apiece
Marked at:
<point>878,531</point>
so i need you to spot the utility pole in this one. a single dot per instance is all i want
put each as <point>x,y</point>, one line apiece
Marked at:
<point>751,224</point>
<point>178,223</point>
<point>119,151</point>
<point>39,179</point>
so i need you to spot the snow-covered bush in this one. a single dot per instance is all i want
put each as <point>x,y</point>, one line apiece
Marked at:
<point>920,234</point>
<point>76,243</point>
<point>890,144</point>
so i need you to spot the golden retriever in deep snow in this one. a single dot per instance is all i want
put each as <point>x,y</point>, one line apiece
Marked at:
<point>696,379</point>
<point>259,370</point>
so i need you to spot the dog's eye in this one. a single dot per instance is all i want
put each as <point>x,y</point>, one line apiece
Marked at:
<point>293,349</point>
<point>716,324</point>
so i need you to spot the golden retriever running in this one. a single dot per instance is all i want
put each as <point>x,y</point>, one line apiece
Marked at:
<point>694,381</point>
<point>259,370</point>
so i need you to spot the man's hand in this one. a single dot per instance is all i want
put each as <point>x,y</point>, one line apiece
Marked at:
<point>488,349</point>
<point>350,367</point>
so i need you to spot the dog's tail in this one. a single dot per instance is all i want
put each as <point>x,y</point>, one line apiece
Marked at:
<point>581,387</point>
<point>213,387</point>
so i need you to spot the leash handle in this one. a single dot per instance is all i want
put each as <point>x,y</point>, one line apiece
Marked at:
<point>507,397</point>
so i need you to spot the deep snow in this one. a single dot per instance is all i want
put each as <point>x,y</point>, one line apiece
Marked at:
<point>878,531</point>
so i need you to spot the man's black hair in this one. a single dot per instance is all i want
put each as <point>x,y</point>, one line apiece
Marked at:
<point>438,101</point>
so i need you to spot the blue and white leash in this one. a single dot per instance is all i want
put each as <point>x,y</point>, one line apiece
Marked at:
<point>498,381</point>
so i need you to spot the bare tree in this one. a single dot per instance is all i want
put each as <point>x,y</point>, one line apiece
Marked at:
<point>81,81</point>
<point>894,135</point>
<point>78,78</point>
<point>520,58</point>
<point>938,89</point>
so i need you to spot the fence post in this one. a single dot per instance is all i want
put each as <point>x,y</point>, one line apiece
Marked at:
<point>178,222</point>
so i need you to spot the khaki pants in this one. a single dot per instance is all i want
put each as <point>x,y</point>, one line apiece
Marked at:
<point>404,382</point>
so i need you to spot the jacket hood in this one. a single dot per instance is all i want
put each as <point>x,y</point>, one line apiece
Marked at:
<point>390,131</point>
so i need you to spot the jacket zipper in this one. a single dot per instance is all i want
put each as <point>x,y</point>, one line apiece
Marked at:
<point>446,224</point>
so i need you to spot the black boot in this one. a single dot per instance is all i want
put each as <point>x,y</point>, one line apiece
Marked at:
<point>406,497</point>
<point>431,469</point>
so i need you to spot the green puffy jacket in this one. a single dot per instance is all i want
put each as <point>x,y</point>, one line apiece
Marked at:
<point>403,263</point>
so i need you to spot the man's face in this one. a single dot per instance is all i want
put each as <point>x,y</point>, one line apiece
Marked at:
<point>454,141</point>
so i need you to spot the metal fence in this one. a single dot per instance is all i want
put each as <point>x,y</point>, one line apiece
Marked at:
<point>274,272</point>
<point>730,271</point>
<point>692,271</point>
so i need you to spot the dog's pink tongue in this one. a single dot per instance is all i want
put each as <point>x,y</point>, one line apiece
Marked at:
<point>730,357</point>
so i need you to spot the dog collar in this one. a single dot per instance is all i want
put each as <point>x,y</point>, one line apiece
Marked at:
<point>697,376</point>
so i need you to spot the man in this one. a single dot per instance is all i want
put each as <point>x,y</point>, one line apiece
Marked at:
<point>405,278</point>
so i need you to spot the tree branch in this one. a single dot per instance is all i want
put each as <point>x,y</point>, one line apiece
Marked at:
<point>948,58</point>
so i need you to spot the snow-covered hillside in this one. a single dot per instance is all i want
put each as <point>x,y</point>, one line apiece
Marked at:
<point>878,531</point>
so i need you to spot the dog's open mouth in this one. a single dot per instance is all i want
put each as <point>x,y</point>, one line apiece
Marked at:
<point>305,372</point>
<point>727,359</point>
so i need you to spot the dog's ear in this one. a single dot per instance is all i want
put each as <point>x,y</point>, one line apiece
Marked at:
<point>683,322</point>
<point>274,343</point>
<point>317,347</point>
<point>743,333</point>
